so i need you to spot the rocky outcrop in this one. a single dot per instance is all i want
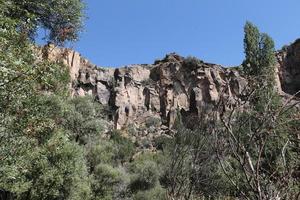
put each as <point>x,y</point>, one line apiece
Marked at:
<point>153,94</point>
<point>289,68</point>
<point>138,92</point>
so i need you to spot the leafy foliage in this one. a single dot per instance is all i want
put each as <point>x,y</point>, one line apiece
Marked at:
<point>260,158</point>
<point>153,121</point>
<point>58,171</point>
<point>105,177</point>
<point>252,144</point>
<point>125,147</point>
<point>38,161</point>
<point>192,167</point>
<point>82,117</point>
<point>260,56</point>
<point>192,62</point>
<point>157,193</point>
<point>61,19</point>
<point>146,175</point>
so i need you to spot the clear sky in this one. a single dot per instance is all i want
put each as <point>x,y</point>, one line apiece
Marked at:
<point>121,32</point>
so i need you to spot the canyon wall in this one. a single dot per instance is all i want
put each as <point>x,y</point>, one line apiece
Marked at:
<point>153,94</point>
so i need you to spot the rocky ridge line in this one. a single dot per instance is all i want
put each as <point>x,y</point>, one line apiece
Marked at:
<point>141,96</point>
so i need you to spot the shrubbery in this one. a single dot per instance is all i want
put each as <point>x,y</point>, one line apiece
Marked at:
<point>146,175</point>
<point>157,193</point>
<point>125,147</point>
<point>105,180</point>
<point>192,62</point>
<point>153,121</point>
<point>82,118</point>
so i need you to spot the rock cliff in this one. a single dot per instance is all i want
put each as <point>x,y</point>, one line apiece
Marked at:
<point>289,68</point>
<point>151,95</point>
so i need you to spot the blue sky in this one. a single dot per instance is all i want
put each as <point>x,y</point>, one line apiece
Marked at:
<point>121,32</point>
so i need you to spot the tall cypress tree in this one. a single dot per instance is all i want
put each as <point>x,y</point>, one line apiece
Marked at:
<point>267,60</point>
<point>260,56</point>
<point>251,48</point>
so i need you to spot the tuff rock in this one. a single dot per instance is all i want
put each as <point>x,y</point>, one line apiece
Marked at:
<point>289,68</point>
<point>137,94</point>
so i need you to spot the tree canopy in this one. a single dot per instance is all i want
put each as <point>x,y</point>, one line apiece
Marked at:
<point>62,20</point>
<point>260,55</point>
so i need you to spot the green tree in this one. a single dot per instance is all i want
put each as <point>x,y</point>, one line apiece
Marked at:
<point>37,160</point>
<point>192,169</point>
<point>109,179</point>
<point>124,146</point>
<point>145,175</point>
<point>260,57</point>
<point>58,171</point>
<point>259,68</point>
<point>251,48</point>
<point>62,20</point>
<point>257,147</point>
<point>157,193</point>
<point>267,60</point>
<point>106,178</point>
<point>82,117</point>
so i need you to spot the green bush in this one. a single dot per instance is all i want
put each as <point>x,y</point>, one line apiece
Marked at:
<point>109,179</point>
<point>101,152</point>
<point>161,142</point>
<point>158,158</point>
<point>105,179</point>
<point>153,121</point>
<point>145,175</point>
<point>157,193</point>
<point>81,117</point>
<point>131,130</point>
<point>55,170</point>
<point>192,62</point>
<point>124,147</point>
<point>63,20</point>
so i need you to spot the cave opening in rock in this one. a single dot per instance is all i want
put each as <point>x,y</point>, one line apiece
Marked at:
<point>87,76</point>
<point>193,103</point>
<point>127,79</point>
<point>146,93</point>
<point>117,75</point>
<point>127,111</point>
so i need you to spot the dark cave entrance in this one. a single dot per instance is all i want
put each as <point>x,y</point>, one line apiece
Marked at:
<point>190,118</point>
<point>193,103</point>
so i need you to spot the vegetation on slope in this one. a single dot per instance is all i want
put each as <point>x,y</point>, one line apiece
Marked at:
<point>53,146</point>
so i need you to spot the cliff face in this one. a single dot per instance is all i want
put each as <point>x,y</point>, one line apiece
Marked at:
<point>153,94</point>
<point>138,91</point>
<point>289,68</point>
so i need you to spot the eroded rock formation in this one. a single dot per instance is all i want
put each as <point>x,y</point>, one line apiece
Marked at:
<point>137,93</point>
<point>289,68</point>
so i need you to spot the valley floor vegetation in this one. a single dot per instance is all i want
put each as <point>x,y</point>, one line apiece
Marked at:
<point>54,147</point>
